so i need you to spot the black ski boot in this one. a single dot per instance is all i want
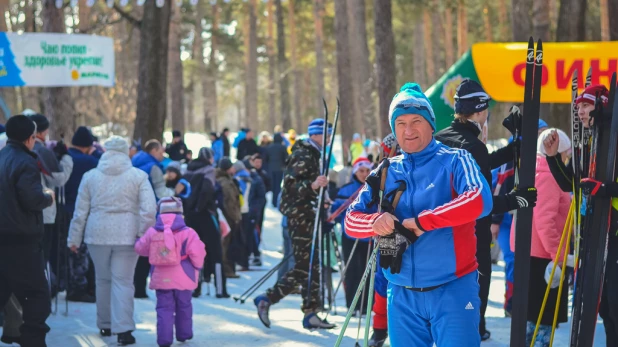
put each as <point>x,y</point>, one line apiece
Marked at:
<point>126,338</point>
<point>105,332</point>
<point>378,337</point>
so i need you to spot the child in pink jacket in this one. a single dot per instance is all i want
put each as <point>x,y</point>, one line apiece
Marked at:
<point>550,216</point>
<point>176,255</point>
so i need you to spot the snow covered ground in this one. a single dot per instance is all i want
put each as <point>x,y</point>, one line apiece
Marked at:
<point>223,322</point>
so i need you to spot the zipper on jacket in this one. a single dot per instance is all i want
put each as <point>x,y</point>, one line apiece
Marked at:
<point>411,199</point>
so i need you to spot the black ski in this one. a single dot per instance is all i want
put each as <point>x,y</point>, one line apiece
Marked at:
<point>594,253</point>
<point>527,170</point>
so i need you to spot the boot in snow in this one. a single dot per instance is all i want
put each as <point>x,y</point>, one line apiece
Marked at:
<point>126,338</point>
<point>312,321</point>
<point>263,305</point>
<point>378,337</point>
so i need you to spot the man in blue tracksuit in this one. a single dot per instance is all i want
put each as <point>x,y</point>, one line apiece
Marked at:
<point>427,245</point>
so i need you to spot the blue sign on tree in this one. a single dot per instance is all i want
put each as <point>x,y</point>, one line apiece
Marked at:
<point>9,72</point>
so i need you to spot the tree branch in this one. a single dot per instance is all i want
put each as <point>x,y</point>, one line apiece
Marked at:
<point>136,23</point>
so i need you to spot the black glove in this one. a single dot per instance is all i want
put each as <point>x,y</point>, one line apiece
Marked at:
<point>60,149</point>
<point>513,121</point>
<point>521,197</point>
<point>393,247</point>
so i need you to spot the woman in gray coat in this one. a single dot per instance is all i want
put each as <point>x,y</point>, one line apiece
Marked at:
<point>115,206</point>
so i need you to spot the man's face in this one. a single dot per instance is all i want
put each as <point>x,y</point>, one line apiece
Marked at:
<point>413,132</point>
<point>176,139</point>
<point>30,142</point>
<point>583,111</point>
<point>362,174</point>
<point>231,171</point>
<point>226,133</point>
<point>212,138</point>
<point>158,153</point>
<point>43,135</point>
<point>249,135</point>
<point>257,163</point>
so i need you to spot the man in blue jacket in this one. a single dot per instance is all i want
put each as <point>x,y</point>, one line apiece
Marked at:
<point>427,245</point>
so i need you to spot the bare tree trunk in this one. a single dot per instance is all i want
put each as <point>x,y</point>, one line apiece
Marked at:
<point>298,118</point>
<point>605,20</point>
<point>613,20</point>
<point>284,85</point>
<point>462,28</point>
<point>385,60</point>
<point>429,61</point>
<point>198,57</point>
<point>571,21</point>
<point>272,67</point>
<point>152,85</point>
<point>344,76</point>
<point>318,14</point>
<point>489,37</point>
<point>32,95</point>
<point>251,102</point>
<point>58,106</point>
<point>437,18</point>
<point>504,26</point>
<point>364,70</point>
<point>213,69</point>
<point>449,50</point>
<point>175,72</point>
<point>419,55</point>
<point>84,16</point>
<point>520,20</point>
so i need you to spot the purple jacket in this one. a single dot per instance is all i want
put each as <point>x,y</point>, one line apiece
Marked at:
<point>183,276</point>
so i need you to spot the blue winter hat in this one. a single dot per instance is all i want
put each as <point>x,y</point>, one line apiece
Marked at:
<point>543,124</point>
<point>316,127</point>
<point>411,100</point>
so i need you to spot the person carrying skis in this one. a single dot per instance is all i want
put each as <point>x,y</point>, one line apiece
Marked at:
<point>608,309</point>
<point>301,185</point>
<point>428,241</point>
<point>471,113</point>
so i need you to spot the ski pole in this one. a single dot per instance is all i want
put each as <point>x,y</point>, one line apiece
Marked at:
<point>262,280</point>
<point>553,270</point>
<point>560,288</point>
<point>360,312</point>
<point>343,272</point>
<point>356,297</point>
<point>370,302</point>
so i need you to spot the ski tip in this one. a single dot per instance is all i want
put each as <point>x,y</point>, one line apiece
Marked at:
<point>539,44</point>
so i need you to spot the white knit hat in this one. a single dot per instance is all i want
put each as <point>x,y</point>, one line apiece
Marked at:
<point>170,205</point>
<point>564,143</point>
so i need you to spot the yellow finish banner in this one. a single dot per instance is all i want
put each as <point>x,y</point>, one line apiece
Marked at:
<point>501,68</point>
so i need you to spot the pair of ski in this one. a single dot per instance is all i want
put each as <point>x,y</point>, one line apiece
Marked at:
<point>592,253</point>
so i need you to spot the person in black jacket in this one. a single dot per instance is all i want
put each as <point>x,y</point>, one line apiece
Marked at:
<point>22,270</point>
<point>471,104</point>
<point>177,150</point>
<point>225,134</point>
<point>257,203</point>
<point>276,159</point>
<point>247,146</point>
<point>201,214</point>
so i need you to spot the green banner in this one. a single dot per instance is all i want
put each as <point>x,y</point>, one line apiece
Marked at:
<point>442,93</point>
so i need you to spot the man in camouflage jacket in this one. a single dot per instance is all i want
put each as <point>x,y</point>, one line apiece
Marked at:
<point>302,182</point>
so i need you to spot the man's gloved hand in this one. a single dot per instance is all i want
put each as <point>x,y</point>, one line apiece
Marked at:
<point>522,197</point>
<point>60,149</point>
<point>393,247</point>
<point>593,187</point>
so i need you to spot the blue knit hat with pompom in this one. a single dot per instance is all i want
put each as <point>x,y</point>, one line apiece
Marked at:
<point>411,100</point>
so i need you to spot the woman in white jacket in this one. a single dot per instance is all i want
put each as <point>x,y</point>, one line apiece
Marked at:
<point>115,205</point>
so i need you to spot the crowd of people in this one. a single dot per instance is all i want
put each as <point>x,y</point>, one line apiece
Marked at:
<point>118,213</point>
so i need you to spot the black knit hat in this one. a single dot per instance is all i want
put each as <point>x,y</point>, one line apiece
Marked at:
<point>42,123</point>
<point>225,163</point>
<point>20,128</point>
<point>176,133</point>
<point>470,98</point>
<point>82,137</point>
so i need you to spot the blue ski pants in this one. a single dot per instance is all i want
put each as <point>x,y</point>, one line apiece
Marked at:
<point>448,315</point>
